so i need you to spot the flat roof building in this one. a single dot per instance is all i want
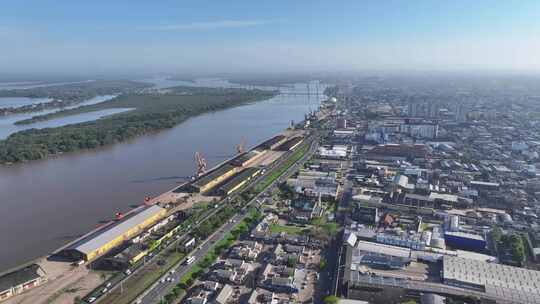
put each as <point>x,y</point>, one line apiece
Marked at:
<point>214,177</point>
<point>239,180</point>
<point>273,142</point>
<point>105,238</point>
<point>246,158</point>
<point>517,284</point>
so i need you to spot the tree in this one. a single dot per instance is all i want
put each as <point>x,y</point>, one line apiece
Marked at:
<point>330,228</point>
<point>496,234</point>
<point>331,300</point>
<point>322,264</point>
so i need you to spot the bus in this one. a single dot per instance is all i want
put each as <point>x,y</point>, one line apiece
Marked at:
<point>190,260</point>
<point>189,243</point>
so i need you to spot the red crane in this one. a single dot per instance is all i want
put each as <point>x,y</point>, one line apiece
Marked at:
<point>201,164</point>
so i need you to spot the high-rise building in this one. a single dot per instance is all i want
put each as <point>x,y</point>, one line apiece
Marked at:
<point>341,123</point>
<point>460,113</point>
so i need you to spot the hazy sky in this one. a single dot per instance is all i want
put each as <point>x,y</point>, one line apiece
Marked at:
<point>219,36</point>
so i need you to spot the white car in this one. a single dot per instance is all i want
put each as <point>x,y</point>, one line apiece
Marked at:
<point>91,300</point>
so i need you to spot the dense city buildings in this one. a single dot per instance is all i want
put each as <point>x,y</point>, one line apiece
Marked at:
<point>371,199</point>
<point>442,197</point>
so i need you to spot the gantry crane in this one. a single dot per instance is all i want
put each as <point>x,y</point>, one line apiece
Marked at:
<point>201,164</point>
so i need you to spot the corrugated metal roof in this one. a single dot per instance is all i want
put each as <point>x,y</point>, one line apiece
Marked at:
<point>213,175</point>
<point>497,278</point>
<point>239,178</point>
<point>95,241</point>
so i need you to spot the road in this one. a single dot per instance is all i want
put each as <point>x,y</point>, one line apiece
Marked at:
<point>158,290</point>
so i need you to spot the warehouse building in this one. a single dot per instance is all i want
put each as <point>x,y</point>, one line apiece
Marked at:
<point>103,239</point>
<point>273,142</point>
<point>501,281</point>
<point>214,178</point>
<point>238,181</point>
<point>18,281</point>
<point>247,158</point>
<point>127,257</point>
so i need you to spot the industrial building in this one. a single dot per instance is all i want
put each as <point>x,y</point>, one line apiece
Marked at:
<point>247,158</point>
<point>103,239</point>
<point>334,152</point>
<point>399,152</point>
<point>341,123</point>
<point>501,281</point>
<point>273,142</point>
<point>127,257</point>
<point>465,241</point>
<point>366,214</point>
<point>315,183</point>
<point>20,280</point>
<point>238,181</point>
<point>214,178</point>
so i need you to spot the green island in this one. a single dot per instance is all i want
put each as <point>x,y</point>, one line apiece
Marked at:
<point>64,95</point>
<point>151,112</point>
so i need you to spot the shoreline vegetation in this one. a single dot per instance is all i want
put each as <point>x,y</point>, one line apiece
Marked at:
<point>152,112</point>
<point>69,94</point>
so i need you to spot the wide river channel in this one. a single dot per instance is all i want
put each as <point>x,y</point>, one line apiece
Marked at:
<point>44,204</point>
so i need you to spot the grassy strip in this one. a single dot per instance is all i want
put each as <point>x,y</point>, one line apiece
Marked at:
<point>142,280</point>
<point>291,230</point>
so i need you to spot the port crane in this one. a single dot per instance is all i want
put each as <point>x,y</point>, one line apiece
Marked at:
<point>241,147</point>
<point>201,164</point>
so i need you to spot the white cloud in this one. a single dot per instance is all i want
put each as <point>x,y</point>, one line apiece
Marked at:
<point>210,25</point>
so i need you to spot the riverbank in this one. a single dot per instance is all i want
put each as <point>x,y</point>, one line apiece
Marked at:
<point>47,203</point>
<point>152,112</point>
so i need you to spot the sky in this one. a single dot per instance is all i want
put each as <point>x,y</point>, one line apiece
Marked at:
<point>131,36</point>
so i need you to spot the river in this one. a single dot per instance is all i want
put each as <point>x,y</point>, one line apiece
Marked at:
<point>21,85</point>
<point>8,126</point>
<point>13,102</point>
<point>44,204</point>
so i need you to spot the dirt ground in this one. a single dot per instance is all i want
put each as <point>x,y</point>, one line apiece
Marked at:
<point>64,283</point>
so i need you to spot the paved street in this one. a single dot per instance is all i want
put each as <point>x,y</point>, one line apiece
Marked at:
<point>159,290</point>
